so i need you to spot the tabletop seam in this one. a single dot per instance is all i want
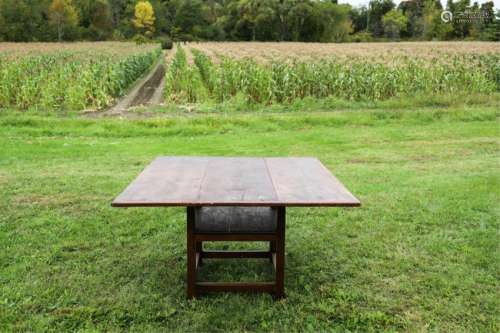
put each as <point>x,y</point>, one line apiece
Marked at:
<point>272,180</point>
<point>203,179</point>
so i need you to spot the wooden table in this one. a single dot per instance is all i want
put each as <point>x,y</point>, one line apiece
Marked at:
<point>236,181</point>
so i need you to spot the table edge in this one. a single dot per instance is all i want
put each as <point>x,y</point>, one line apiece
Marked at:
<point>351,203</point>
<point>241,204</point>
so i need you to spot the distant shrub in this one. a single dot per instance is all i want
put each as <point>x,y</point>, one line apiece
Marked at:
<point>140,39</point>
<point>362,36</point>
<point>117,36</point>
<point>187,38</point>
<point>166,42</point>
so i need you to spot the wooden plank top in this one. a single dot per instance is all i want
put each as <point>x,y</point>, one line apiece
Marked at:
<point>235,181</point>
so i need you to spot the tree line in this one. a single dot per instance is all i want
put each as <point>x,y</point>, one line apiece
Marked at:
<point>245,20</point>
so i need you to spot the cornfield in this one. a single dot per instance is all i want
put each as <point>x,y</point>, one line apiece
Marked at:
<point>350,78</point>
<point>71,76</point>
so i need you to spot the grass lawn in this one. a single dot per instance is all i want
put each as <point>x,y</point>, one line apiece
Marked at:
<point>421,254</point>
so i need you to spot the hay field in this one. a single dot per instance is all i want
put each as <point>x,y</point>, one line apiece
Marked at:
<point>96,48</point>
<point>263,51</point>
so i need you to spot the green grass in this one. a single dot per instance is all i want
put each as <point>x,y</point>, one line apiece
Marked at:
<point>421,254</point>
<point>426,101</point>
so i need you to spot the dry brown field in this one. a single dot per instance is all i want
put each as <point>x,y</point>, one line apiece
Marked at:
<point>99,48</point>
<point>264,51</point>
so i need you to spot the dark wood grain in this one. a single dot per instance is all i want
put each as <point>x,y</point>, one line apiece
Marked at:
<point>235,254</point>
<point>191,254</point>
<point>279,263</point>
<point>231,181</point>
<point>196,253</point>
<point>231,237</point>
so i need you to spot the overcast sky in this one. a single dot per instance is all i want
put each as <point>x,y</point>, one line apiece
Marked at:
<point>365,2</point>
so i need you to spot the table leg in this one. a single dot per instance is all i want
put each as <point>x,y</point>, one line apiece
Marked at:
<point>280,254</point>
<point>272,250</point>
<point>191,255</point>
<point>199,251</point>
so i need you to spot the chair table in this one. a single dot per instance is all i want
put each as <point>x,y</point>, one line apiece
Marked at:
<point>236,199</point>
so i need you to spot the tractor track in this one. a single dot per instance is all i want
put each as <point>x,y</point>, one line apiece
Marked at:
<point>146,92</point>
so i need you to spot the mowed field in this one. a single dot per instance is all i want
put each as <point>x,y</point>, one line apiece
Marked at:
<point>421,254</point>
<point>416,139</point>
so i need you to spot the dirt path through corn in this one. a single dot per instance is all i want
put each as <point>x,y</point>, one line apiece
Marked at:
<point>147,91</point>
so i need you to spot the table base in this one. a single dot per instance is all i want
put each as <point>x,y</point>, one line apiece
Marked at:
<point>196,255</point>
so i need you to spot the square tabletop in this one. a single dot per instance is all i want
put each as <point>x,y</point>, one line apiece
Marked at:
<point>235,181</point>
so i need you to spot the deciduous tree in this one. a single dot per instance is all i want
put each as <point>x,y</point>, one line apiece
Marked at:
<point>433,25</point>
<point>376,11</point>
<point>62,15</point>
<point>394,21</point>
<point>144,17</point>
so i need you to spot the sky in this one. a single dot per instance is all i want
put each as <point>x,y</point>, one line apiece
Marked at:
<point>443,2</point>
